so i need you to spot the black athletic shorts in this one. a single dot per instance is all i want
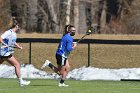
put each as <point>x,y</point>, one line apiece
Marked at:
<point>2,57</point>
<point>61,61</point>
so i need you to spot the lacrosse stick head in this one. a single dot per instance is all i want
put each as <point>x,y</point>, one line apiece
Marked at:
<point>90,30</point>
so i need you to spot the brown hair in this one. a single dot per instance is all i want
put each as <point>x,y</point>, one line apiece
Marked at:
<point>67,27</point>
<point>13,22</point>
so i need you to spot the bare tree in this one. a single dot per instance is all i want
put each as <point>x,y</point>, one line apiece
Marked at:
<point>53,16</point>
<point>65,7</point>
<point>103,16</point>
<point>50,16</point>
<point>32,18</point>
<point>68,8</point>
<point>76,14</point>
<point>5,15</point>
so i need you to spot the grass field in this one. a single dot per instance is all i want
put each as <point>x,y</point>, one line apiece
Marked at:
<point>50,86</point>
<point>102,56</point>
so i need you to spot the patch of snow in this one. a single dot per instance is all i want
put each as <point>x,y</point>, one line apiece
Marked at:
<point>83,73</point>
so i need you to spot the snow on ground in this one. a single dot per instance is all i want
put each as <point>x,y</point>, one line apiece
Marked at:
<point>83,73</point>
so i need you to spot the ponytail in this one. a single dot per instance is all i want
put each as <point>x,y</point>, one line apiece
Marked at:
<point>66,29</point>
<point>13,23</point>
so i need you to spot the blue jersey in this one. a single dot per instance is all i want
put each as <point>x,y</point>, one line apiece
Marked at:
<point>65,46</point>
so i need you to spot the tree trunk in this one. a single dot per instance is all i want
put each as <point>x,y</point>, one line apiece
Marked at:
<point>42,26</point>
<point>65,7</point>
<point>103,16</point>
<point>53,17</point>
<point>68,8</point>
<point>82,18</point>
<point>5,15</point>
<point>76,15</point>
<point>31,17</point>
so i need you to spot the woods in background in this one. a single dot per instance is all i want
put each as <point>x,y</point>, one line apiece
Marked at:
<point>50,16</point>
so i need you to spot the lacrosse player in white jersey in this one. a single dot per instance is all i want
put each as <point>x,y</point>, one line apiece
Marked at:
<point>8,43</point>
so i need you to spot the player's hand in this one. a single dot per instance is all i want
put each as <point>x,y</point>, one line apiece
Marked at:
<point>74,44</point>
<point>20,47</point>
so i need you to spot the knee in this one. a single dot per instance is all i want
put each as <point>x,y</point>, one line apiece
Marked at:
<point>68,68</point>
<point>17,65</point>
<point>61,72</point>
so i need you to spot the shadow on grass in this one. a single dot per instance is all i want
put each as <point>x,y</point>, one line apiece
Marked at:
<point>43,85</point>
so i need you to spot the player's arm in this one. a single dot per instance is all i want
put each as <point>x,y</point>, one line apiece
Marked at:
<point>74,44</point>
<point>71,45</point>
<point>18,46</point>
<point>1,41</point>
<point>4,36</point>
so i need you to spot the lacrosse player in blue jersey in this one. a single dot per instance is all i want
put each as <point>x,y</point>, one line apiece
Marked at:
<point>8,42</point>
<point>66,45</point>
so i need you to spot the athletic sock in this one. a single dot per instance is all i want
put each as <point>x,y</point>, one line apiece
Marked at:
<point>62,81</point>
<point>50,65</point>
<point>20,79</point>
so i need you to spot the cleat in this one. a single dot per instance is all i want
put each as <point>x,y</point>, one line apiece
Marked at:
<point>24,83</point>
<point>62,85</point>
<point>47,62</point>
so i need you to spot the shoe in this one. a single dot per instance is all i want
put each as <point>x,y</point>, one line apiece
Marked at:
<point>47,62</point>
<point>24,83</point>
<point>62,85</point>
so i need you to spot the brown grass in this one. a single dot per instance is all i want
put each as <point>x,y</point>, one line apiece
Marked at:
<point>103,56</point>
<point>77,36</point>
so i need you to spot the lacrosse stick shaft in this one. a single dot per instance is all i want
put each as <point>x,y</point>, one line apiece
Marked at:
<point>89,31</point>
<point>5,45</point>
<point>9,46</point>
<point>81,38</point>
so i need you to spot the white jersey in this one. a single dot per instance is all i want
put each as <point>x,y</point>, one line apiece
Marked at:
<point>9,38</point>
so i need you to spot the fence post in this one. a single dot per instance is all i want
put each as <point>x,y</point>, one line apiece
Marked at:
<point>88,54</point>
<point>30,53</point>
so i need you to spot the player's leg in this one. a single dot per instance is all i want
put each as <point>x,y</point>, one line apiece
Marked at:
<point>54,68</point>
<point>67,66</point>
<point>49,64</point>
<point>62,69</point>
<point>13,61</point>
<point>1,60</point>
<point>63,73</point>
<point>60,61</point>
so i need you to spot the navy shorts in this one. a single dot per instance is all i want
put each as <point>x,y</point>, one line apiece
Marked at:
<point>2,57</point>
<point>61,61</point>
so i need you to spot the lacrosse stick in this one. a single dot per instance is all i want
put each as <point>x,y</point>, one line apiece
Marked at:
<point>8,46</point>
<point>2,47</point>
<point>89,31</point>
